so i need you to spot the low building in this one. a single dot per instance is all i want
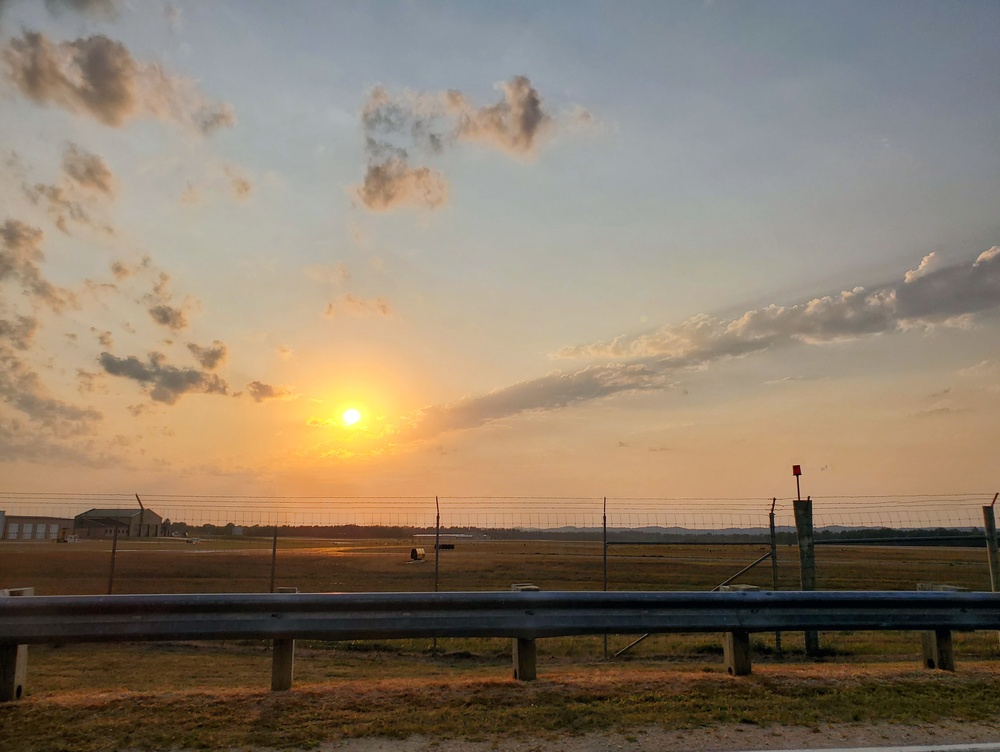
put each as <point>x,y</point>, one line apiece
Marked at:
<point>102,523</point>
<point>31,527</point>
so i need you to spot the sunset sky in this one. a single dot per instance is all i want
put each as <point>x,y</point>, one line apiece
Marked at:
<point>629,249</point>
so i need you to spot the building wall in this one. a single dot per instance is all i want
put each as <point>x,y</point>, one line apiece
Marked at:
<point>25,528</point>
<point>128,525</point>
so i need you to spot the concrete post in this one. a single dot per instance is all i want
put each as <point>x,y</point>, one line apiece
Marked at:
<point>807,560</point>
<point>736,653</point>
<point>990,524</point>
<point>774,566</point>
<point>13,659</point>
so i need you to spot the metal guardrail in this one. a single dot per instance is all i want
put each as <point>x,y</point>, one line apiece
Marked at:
<point>521,615</point>
<point>524,615</point>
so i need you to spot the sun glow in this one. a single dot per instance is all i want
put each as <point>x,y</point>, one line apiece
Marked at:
<point>351,416</point>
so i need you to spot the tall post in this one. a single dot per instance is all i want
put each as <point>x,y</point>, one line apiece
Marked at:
<point>605,524</point>
<point>807,551</point>
<point>274,557</point>
<point>807,560</point>
<point>990,525</point>
<point>437,542</point>
<point>114,555</point>
<point>437,554</point>
<point>774,567</point>
<point>142,514</point>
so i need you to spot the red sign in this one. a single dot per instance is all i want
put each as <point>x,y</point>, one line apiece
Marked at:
<point>796,470</point>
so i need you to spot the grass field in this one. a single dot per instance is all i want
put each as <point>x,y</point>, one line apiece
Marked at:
<point>86,697</point>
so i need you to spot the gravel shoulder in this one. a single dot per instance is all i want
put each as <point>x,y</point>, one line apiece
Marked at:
<point>731,738</point>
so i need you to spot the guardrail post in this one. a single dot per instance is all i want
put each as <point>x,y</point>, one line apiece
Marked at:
<point>937,645</point>
<point>524,651</point>
<point>283,658</point>
<point>13,659</point>
<point>807,560</point>
<point>282,665</point>
<point>736,652</point>
<point>938,650</point>
<point>525,660</point>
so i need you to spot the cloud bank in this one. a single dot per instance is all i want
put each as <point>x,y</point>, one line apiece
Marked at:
<point>938,295</point>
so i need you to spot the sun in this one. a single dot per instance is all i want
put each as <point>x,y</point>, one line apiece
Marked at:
<point>351,416</point>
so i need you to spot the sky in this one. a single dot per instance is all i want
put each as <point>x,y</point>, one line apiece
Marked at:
<point>643,249</point>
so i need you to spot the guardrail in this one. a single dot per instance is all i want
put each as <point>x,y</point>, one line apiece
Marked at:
<point>523,616</point>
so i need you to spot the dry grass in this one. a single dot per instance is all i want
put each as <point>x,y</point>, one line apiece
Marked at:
<point>451,700</point>
<point>212,695</point>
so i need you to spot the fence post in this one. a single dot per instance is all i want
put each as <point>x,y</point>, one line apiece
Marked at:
<point>774,567</point>
<point>274,557</point>
<point>605,526</point>
<point>114,555</point>
<point>990,524</point>
<point>990,529</point>
<point>807,560</point>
